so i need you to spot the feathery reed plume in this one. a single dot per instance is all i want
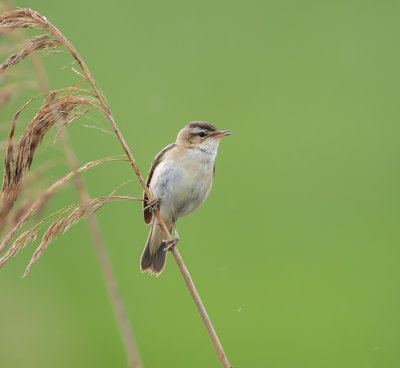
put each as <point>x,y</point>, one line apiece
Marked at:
<point>46,42</point>
<point>44,197</point>
<point>122,320</point>
<point>57,108</point>
<point>16,19</point>
<point>27,18</point>
<point>117,304</point>
<point>31,177</point>
<point>66,217</point>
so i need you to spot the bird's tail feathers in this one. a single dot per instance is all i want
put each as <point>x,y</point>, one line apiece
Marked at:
<point>154,254</point>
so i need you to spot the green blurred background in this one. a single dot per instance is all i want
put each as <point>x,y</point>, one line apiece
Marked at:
<point>296,251</point>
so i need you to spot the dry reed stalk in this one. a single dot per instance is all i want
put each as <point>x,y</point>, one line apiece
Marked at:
<point>27,18</point>
<point>44,196</point>
<point>66,217</point>
<point>65,108</point>
<point>32,177</point>
<point>41,43</point>
<point>123,323</point>
<point>122,320</point>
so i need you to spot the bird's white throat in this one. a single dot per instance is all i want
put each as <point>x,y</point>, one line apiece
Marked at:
<point>209,147</point>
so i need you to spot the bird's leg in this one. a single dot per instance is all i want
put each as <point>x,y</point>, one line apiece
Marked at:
<point>173,241</point>
<point>152,205</point>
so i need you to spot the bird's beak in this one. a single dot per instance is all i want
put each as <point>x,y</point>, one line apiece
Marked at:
<point>221,133</point>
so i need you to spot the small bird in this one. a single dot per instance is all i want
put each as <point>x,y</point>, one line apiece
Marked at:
<point>180,179</point>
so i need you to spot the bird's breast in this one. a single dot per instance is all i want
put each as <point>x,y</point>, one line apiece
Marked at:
<point>182,182</point>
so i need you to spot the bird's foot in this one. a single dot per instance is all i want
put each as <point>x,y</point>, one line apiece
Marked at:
<point>153,204</point>
<point>171,243</point>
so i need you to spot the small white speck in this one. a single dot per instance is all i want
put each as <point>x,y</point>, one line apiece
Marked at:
<point>44,18</point>
<point>240,309</point>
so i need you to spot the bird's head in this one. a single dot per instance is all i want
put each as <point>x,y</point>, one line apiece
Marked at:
<point>200,134</point>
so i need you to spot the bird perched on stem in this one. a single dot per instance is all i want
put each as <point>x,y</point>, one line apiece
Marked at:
<point>180,179</point>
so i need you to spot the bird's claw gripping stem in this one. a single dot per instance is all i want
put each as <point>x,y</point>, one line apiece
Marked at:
<point>172,242</point>
<point>152,205</point>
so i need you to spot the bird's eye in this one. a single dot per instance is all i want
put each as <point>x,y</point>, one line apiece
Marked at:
<point>202,134</point>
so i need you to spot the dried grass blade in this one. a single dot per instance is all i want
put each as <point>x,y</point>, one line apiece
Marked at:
<point>65,108</point>
<point>8,204</point>
<point>44,197</point>
<point>46,42</point>
<point>15,19</point>
<point>61,225</point>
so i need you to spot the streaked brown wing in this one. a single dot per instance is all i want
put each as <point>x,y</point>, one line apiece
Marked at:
<point>148,216</point>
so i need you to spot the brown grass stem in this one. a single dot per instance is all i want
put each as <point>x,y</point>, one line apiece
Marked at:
<point>30,18</point>
<point>105,264</point>
<point>200,307</point>
<point>179,260</point>
<point>117,304</point>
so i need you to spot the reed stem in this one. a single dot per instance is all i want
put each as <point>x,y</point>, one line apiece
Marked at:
<point>178,258</point>
<point>105,264</point>
<point>123,323</point>
<point>104,108</point>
